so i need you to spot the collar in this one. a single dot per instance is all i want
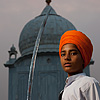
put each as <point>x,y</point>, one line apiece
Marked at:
<point>71,79</point>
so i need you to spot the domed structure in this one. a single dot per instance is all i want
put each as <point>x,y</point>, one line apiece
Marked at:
<point>54,28</point>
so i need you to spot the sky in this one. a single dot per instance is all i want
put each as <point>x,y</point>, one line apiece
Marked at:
<point>14,14</point>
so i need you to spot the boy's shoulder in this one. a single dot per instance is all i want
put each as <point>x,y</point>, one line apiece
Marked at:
<point>86,82</point>
<point>88,79</point>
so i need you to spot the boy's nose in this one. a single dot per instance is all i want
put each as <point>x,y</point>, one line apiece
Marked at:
<point>67,57</point>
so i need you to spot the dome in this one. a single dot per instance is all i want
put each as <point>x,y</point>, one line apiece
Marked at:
<point>54,28</point>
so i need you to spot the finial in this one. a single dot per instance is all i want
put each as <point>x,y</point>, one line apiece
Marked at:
<point>13,48</point>
<point>48,1</point>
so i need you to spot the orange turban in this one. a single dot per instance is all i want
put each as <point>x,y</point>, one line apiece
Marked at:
<point>82,42</point>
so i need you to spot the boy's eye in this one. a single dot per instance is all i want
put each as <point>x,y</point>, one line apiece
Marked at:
<point>74,53</point>
<point>62,54</point>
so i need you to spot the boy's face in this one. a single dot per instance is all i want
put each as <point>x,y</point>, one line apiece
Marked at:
<point>71,59</point>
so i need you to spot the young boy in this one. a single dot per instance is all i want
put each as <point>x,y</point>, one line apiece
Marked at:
<point>75,51</point>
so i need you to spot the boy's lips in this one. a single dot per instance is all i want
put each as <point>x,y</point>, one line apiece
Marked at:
<point>67,64</point>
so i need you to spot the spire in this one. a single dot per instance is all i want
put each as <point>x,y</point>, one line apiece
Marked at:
<point>48,1</point>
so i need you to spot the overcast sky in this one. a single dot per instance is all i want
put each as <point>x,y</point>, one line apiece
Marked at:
<point>14,14</point>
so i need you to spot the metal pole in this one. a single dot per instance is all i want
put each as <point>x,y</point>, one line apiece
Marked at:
<point>33,60</point>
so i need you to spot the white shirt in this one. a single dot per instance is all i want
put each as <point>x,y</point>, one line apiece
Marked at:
<point>81,87</point>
